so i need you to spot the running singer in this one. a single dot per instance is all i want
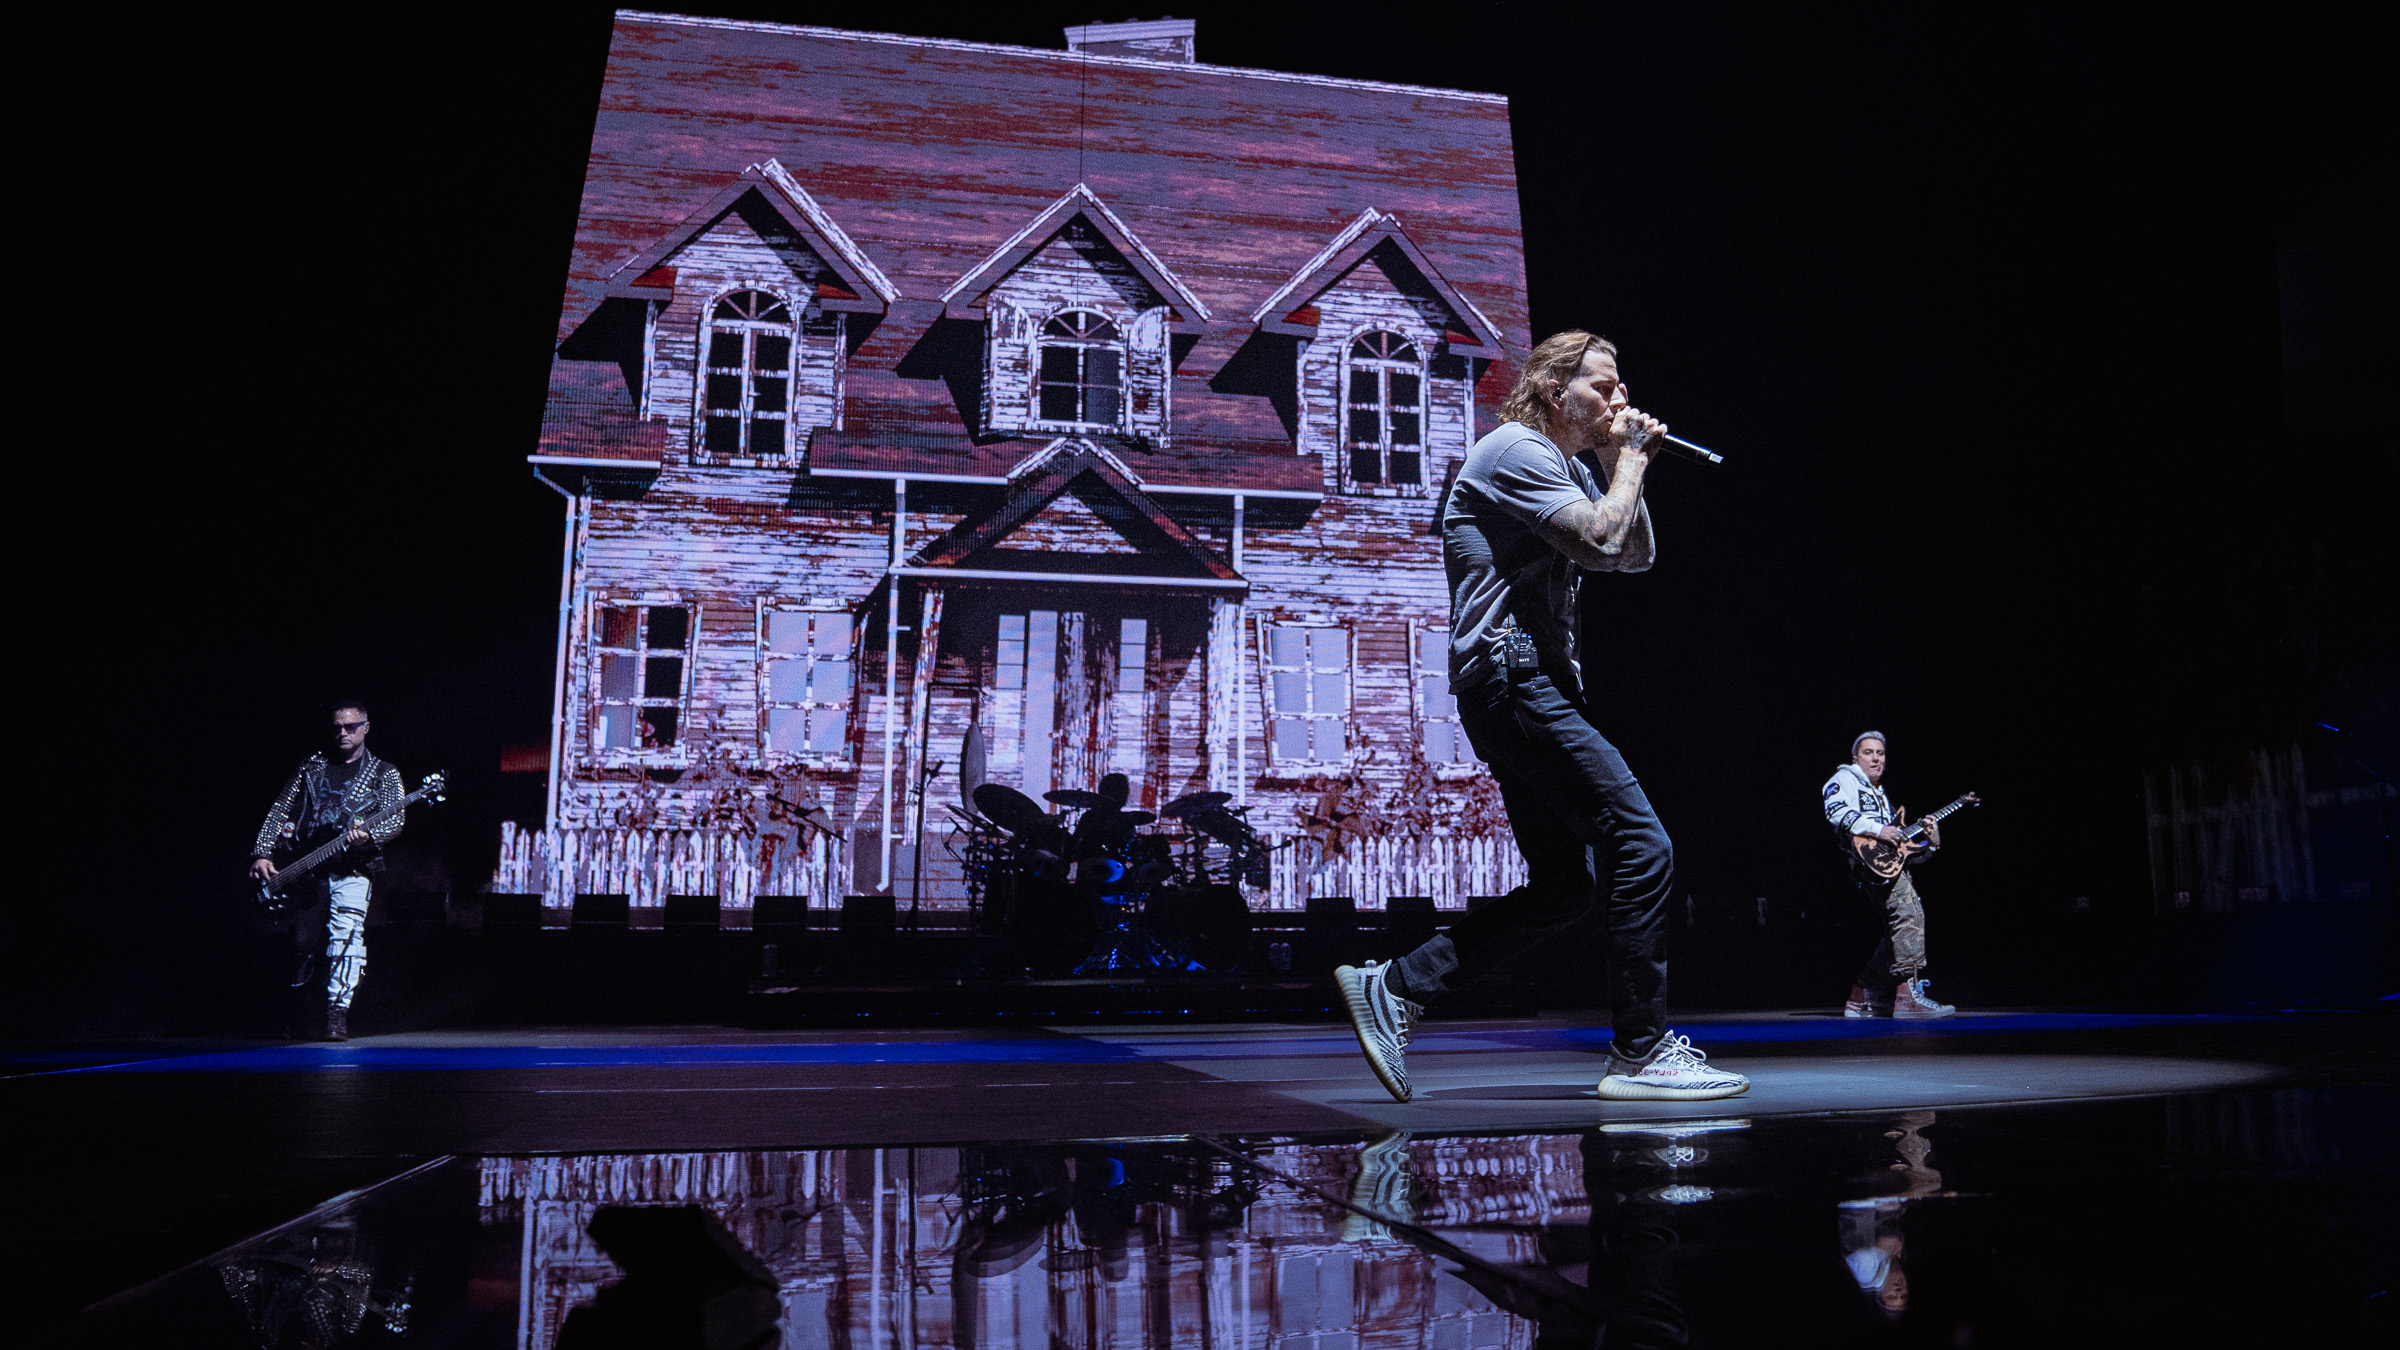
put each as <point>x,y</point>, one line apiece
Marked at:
<point>1526,518</point>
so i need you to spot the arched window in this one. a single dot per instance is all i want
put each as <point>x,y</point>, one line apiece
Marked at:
<point>747,405</point>
<point>1385,400</point>
<point>1083,361</point>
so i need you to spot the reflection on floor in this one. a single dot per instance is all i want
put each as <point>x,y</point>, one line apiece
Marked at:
<point>2046,1224</point>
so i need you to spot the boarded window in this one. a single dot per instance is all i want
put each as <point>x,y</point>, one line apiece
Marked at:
<point>1439,734</point>
<point>1082,370</point>
<point>641,674</point>
<point>806,670</point>
<point>1307,672</point>
<point>1384,407</point>
<point>746,383</point>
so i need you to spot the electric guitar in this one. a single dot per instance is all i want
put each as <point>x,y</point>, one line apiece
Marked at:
<point>274,892</point>
<point>1885,858</point>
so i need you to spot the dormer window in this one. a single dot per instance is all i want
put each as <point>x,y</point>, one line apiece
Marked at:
<point>747,382</point>
<point>1384,402</point>
<point>1082,369</point>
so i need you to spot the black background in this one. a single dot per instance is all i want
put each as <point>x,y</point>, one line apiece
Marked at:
<point>2050,346</point>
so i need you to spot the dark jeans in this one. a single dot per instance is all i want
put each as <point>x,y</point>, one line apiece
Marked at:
<point>1569,797</point>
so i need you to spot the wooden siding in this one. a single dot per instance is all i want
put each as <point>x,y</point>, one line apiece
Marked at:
<point>931,156</point>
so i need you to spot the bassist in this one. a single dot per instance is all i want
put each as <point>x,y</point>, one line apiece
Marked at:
<point>1893,982</point>
<point>326,797</point>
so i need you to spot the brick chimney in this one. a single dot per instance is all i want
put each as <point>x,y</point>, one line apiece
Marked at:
<point>1149,40</point>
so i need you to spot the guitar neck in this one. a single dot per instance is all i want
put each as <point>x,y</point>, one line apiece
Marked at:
<point>316,856</point>
<point>1929,819</point>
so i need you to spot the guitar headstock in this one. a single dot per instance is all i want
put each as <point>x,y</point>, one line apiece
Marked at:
<point>436,786</point>
<point>1970,799</point>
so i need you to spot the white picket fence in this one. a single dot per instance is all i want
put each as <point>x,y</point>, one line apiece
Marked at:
<point>647,865</point>
<point>1371,871</point>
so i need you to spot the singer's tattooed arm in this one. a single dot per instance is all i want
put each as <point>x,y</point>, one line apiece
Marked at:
<point>1611,534</point>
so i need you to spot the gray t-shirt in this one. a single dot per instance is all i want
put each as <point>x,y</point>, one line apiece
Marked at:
<point>1502,574</point>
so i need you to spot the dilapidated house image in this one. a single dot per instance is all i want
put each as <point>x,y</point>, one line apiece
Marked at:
<point>1075,412</point>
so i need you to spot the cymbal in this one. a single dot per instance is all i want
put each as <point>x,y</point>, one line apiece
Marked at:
<point>1224,828</point>
<point>1077,797</point>
<point>1010,809</point>
<point>1193,801</point>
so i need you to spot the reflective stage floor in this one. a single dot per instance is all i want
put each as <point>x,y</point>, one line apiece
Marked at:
<point>2036,1179</point>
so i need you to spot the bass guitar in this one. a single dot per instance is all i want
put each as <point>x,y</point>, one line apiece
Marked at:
<point>1884,858</point>
<point>275,893</point>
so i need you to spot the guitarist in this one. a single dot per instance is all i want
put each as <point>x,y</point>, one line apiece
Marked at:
<point>325,796</point>
<point>1893,983</point>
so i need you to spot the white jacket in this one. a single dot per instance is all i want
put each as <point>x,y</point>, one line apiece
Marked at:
<point>1855,806</point>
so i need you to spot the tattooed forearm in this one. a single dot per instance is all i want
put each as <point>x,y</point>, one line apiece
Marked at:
<point>1606,535</point>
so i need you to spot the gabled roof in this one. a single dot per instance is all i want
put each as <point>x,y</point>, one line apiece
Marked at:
<point>1289,310</point>
<point>868,290</point>
<point>964,299</point>
<point>1102,482</point>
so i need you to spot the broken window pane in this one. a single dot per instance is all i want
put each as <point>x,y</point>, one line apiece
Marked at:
<point>658,726</point>
<point>662,677</point>
<point>669,627</point>
<point>619,624</point>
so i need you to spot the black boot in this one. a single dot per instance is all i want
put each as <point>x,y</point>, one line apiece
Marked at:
<point>337,1023</point>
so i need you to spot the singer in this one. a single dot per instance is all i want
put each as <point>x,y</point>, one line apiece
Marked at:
<point>1525,519</point>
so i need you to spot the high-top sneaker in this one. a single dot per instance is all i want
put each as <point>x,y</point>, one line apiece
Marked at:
<point>337,1024</point>
<point>1911,1000</point>
<point>1861,1004</point>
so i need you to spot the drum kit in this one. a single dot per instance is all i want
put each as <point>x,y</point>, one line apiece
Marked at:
<point>1163,899</point>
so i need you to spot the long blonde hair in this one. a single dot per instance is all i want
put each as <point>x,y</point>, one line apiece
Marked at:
<point>1555,361</point>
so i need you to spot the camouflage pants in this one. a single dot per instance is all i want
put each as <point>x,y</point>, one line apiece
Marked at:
<point>1901,954</point>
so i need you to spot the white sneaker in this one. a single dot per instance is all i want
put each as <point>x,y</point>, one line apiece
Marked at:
<point>1384,1021</point>
<point>1673,1072</point>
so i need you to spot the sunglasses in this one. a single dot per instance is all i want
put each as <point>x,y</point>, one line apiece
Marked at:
<point>347,727</point>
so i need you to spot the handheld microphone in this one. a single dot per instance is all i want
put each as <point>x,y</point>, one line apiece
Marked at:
<point>1691,451</point>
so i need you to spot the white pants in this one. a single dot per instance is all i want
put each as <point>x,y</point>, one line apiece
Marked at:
<point>345,938</point>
